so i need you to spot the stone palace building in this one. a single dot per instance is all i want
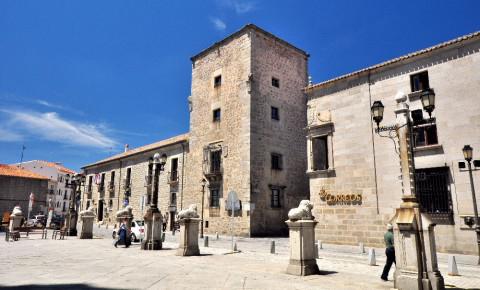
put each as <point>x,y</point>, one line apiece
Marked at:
<point>257,128</point>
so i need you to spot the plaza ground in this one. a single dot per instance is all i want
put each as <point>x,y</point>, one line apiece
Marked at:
<point>95,264</point>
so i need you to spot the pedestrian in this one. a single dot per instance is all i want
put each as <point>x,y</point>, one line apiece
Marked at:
<point>389,252</point>
<point>122,236</point>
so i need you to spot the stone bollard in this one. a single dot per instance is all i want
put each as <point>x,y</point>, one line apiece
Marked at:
<point>163,237</point>
<point>272,247</point>
<point>16,219</point>
<point>316,251</point>
<point>320,244</point>
<point>362,248</point>
<point>188,244</point>
<point>216,236</point>
<point>235,249</point>
<point>452,266</point>
<point>372,261</point>
<point>301,225</point>
<point>86,219</point>
<point>205,241</point>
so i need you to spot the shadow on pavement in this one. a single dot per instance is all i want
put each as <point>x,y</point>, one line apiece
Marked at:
<point>55,286</point>
<point>327,272</point>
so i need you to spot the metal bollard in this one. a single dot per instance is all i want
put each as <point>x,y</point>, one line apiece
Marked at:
<point>452,266</point>
<point>272,247</point>
<point>362,248</point>
<point>372,261</point>
<point>216,235</point>
<point>235,247</point>
<point>205,241</point>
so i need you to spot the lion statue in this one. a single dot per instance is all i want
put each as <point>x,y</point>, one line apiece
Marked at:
<point>88,212</point>
<point>190,212</point>
<point>302,212</point>
<point>127,211</point>
<point>17,211</point>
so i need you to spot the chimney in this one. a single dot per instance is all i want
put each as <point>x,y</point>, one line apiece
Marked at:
<point>126,147</point>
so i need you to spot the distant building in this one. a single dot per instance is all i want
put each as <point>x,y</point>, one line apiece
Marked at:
<point>347,158</point>
<point>17,184</point>
<point>58,176</point>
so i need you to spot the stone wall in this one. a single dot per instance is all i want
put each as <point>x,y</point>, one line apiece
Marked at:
<point>16,191</point>
<point>286,136</point>
<point>232,133</point>
<point>364,163</point>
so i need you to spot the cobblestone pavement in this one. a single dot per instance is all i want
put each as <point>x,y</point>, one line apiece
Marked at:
<point>95,264</point>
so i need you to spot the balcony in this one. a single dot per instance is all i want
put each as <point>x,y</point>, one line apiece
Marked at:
<point>214,173</point>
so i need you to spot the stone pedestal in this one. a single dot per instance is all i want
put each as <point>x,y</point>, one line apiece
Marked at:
<point>153,229</point>
<point>86,223</point>
<point>16,219</point>
<point>416,267</point>
<point>302,248</point>
<point>71,222</point>
<point>188,243</point>
<point>125,215</point>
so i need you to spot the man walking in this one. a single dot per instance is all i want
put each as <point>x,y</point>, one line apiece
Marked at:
<point>389,252</point>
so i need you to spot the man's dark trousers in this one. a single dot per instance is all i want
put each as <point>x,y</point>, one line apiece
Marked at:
<point>390,252</point>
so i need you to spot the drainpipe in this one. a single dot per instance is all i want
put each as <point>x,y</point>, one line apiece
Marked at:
<point>373,146</point>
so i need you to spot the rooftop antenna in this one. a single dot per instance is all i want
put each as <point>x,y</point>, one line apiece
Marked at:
<point>21,156</point>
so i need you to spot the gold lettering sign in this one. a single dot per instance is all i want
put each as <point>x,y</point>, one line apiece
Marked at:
<point>353,198</point>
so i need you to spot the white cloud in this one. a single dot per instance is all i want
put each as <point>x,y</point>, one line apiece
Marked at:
<point>48,104</point>
<point>9,136</point>
<point>239,6</point>
<point>218,24</point>
<point>50,126</point>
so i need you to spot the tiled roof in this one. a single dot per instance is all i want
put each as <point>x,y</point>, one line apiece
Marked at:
<point>9,170</point>
<point>57,165</point>
<point>138,150</point>
<point>395,60</point>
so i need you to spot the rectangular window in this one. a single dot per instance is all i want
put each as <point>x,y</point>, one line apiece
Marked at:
<point>216,115</point>
<point>112,178</point>
<point>216,161</point>
<point>425,135</point>
<point>433,193</point>
<point>275,201</point>
<point>276,161</point>
<point>275,114</point>
<point>275,82</point>
<point>214,197</point>
<point>90,181</point>
<point>217,81</point>
<point>319,153</point>
<point>419,82</point>
<point>102,182</point>
<point>128,177</point>
<point>174,169</point>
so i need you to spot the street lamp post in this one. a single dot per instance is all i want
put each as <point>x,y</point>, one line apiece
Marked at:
<point>71,222</point>
<point>468,154</point>
<point>413,230</point>
<point>153,216</point>
<point>203,201</point>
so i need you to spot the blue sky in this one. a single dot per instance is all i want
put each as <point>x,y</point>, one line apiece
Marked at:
<point>78,79</point>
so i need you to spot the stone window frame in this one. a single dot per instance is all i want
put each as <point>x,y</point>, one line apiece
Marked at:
<point>280,190</point>
<point>322,130</point>
<point>217,80</point>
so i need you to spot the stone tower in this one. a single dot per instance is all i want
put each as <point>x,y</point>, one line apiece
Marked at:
<point>247,120</point>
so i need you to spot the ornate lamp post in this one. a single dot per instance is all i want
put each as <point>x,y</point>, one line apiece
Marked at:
<point>153,216</point>
<point>413,230</point>
<point>204,182</point>
<point>468,154</point>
